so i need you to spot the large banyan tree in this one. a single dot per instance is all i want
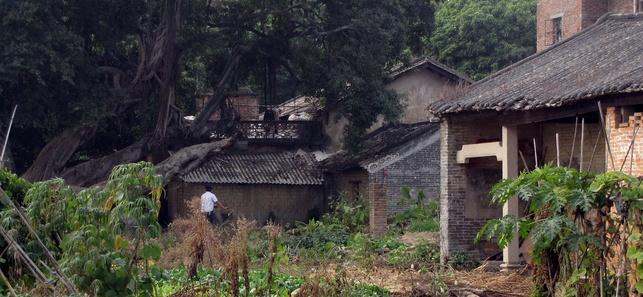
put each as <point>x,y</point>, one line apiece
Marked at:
<point>101,83</point>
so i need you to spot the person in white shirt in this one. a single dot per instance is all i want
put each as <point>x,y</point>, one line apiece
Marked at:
<point>209,204</point>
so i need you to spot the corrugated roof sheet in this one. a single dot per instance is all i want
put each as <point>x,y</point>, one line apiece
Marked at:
<point>604,59</point>
<point>282,168</point>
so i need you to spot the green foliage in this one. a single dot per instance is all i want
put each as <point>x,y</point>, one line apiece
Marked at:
<point>317,233</point>
<point>14,186</point>
<point>422,255</point>
<point>479,37</point>
<point>418,216</point>
<point>575,221</point>
<point>100,236</point>
<point>353,214</point>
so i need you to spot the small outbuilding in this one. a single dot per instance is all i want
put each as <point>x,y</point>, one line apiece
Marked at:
<point>391,157</point>
<point>283,187</point>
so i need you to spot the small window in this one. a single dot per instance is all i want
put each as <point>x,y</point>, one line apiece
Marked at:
<point>639,8</point>
<point>557,29</point>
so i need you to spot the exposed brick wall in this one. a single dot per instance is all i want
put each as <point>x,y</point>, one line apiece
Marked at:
<point>247,105</point>
<point>458,227</point>
<point>566,137</point>
<point>620,136</point>
<point>288,203</point>
<point>576,16</point>
<point>569,10</point>
<point>377,208</point>
<point>621,6</point>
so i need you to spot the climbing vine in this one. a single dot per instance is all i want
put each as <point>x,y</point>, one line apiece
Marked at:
<point>585,229</point>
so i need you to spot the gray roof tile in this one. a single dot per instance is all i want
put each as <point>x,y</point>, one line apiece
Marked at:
<point>604,59</point>
<point>282,168</point>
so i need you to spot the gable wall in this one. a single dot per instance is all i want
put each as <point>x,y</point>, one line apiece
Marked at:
<point>419,171</point>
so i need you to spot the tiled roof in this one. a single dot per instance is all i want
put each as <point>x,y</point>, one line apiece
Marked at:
<point>378,144</point>
<point>282,168</point>
<point>431,64</point>
<point>604,59</point>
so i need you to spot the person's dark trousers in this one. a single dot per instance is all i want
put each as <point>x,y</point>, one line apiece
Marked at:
<point>211,217</point>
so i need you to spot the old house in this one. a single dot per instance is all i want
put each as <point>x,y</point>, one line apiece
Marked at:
<point>584,87</point>
<point>283,187</point>
<point>269,173</point>
<point>419,83</point>
<point>395,155</point>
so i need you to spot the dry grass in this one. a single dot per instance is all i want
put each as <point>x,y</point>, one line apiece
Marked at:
<point>197,242</point>
<point>517,283</point>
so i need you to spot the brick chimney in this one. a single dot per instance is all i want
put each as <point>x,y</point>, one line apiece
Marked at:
<point>560,19</point>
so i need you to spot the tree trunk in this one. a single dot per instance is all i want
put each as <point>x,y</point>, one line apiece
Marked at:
<point>53,157</point>
<point>190,158</point>
<point>97,170</point>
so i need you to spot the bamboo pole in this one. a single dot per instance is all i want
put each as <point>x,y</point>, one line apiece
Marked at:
<point>571,154</point>
<point>535,153</point>
<point>6,138</point>
<point>607,140</point>
<point>68,284</point>
<point>591,159</point>
<point>524,161</point>
<point>582,140</point>
<point>557,150</point>
<point>635,132</point>
<point>30,264</point>
<point>6,282</point>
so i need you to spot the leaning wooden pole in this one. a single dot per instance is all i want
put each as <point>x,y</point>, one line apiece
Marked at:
<point>68,284</point>
<point>582,140</point>
<point>8,284</point>
<point>607,139</point>
<point>535,153</point>
<point>591,159</point>
<point>6,138</point>
<point>571,154</point>
<point>629,148</point>
<point>557,150</point>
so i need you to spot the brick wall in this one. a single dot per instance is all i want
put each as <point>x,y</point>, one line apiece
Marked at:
<point>377,208</point>
<point>576,16</point>
<point>566,137</point>
<point>246,104</point>
<point>459,219</point>
<point>288,203</point>
<point>419,171</point>
<point>621,6</point>
<point>620,136</point>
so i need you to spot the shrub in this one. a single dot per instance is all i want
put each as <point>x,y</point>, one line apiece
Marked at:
<point>353,214</point>
<point>14,186</point>
<point>586,229</point>
<point>418,215</point>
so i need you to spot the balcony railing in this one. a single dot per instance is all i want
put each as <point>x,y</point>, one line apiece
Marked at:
<point>277,132</point>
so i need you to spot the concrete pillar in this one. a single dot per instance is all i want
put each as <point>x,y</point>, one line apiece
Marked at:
<point>511,254</point>
<point>377,207</point>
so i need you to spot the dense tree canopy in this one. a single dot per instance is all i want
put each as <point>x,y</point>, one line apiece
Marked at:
<point>479,37</point>
<point>93,77</point>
